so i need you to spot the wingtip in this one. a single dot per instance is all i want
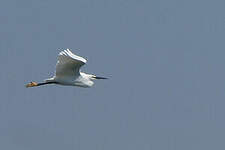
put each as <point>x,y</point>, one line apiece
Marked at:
<point>67,52</point>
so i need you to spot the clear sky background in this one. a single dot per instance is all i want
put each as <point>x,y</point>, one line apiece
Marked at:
<point>165,60</point>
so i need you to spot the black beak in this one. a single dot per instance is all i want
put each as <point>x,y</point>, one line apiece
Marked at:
<point>100,77</point>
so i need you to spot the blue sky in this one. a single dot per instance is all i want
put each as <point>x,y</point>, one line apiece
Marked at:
<point>165,60</point>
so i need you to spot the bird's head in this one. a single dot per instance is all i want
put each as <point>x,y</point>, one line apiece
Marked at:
<point>32,84</point>
<point>91,76</point>
<point>94,77</point>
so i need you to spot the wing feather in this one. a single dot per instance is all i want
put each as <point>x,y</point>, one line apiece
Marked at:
<point>69,64</point>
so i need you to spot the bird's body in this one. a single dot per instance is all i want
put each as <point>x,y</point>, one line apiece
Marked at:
<point>68,72</point>
<point>82,80</point>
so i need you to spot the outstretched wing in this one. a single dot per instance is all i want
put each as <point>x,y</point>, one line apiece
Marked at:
<point>68,64</point>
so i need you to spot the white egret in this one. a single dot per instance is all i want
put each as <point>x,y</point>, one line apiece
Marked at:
<point>68,72</point>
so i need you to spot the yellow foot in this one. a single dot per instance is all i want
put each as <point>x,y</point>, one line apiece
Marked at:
<point>31,84</point>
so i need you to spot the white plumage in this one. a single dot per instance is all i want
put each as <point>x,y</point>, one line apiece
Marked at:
<point>68,72</point>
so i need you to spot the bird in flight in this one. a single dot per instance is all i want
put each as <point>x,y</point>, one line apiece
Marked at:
<point>68,72</point>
